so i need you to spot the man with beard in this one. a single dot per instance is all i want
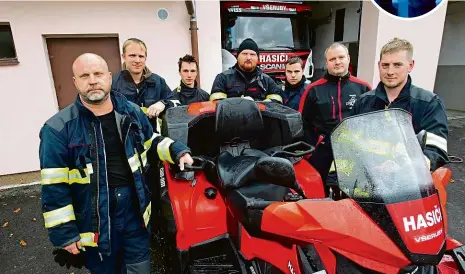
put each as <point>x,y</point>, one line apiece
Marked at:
<point>326,102</point>
<point>188,92</point>
<point>245,79</point>
<point>396,90</point>
<point>295,83</point>
<point>94,155</point>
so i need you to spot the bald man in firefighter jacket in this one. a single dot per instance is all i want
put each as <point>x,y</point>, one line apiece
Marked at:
<point>245,78</point>
<point>94,155</point>
<point>326,102</point>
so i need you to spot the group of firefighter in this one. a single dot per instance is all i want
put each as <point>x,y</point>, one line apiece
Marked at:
<point>96,154</point>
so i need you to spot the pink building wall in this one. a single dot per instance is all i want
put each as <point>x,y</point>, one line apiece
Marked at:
<point>425,34</point>
<point>27,89</point>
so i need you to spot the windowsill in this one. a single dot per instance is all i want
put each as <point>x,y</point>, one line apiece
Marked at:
<point>9,62</point>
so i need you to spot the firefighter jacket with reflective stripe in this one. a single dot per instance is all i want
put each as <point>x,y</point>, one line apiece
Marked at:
<point>428,113</point>
<point>150,90</point>
<point>233,83</point>
<point>75,201</point>
<point>327,101</point>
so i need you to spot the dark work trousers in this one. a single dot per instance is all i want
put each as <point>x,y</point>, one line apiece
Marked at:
<point>153,177</point>
<point>321,160</point>
<point>130,241</point>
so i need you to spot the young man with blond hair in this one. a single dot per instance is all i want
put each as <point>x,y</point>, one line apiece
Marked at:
<point>396,90</point>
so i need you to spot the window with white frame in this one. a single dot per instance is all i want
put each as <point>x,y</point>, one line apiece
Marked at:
<point>7,46</point>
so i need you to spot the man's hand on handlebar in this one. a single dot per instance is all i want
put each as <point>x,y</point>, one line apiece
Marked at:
<point>185,159</point>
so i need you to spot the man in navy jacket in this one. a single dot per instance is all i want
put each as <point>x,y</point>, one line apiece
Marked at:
<point>94,155</point>
<point>396,90</point>
<point>139,85</point>
<point>295,83</point>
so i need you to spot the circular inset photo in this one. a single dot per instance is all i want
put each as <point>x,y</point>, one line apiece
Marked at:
<point>407,8</point>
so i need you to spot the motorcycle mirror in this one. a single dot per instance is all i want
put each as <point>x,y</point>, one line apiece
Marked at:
<point>421,136</point>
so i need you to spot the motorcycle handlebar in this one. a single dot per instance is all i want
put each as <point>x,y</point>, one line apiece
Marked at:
<point>199,164</point>
<point>299,149</point>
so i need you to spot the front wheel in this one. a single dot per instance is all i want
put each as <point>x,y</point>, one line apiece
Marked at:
<point>265,268</point>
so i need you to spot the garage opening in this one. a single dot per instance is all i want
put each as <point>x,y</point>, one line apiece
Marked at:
<point>62,53</point>
<point>451,65</point>
<point>283,29</point>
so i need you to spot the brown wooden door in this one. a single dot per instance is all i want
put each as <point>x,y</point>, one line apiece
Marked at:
<point>62,53</point>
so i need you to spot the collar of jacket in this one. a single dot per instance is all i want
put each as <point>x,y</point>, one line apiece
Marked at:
<point>333,78</point>
<point>146,73</point>
<point>120,105</point>
<point>297,86</point>
<point>381,92</point>
<point>188,91</point>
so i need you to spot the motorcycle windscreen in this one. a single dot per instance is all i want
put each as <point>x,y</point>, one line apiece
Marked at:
<point>378,160</point>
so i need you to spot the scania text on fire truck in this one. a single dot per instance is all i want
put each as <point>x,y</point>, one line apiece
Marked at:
<point>281,30</point>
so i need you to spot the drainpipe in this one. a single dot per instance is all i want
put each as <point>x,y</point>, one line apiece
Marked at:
<point>194,37</point>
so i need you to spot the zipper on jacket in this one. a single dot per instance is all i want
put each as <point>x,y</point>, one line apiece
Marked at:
<point>140,160</point>
<point>339,98</point>
<point>334,107</point>
<point>393,102</point>
<point>108,189</point>
<point>98,184</point>
<point>98,177</point>
<point>135,150</point>
<point>127,132</point>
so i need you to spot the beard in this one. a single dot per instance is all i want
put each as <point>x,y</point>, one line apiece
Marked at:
<point>248,66</point>
<point>95,97</point>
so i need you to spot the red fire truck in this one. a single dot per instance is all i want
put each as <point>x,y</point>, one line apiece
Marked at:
<point>281,30</point>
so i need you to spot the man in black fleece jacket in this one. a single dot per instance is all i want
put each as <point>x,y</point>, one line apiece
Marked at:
<point>187,92</point>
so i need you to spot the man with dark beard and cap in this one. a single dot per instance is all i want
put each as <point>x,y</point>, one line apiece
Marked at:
<point>245,79</point>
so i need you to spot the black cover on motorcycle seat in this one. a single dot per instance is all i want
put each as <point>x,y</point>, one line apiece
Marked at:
<point>234,172</point>
<point>238,119</point>
<point>251,166</point>
<point>275,170</point>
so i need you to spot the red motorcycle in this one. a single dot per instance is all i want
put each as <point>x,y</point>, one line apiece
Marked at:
<point>251,204</point>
